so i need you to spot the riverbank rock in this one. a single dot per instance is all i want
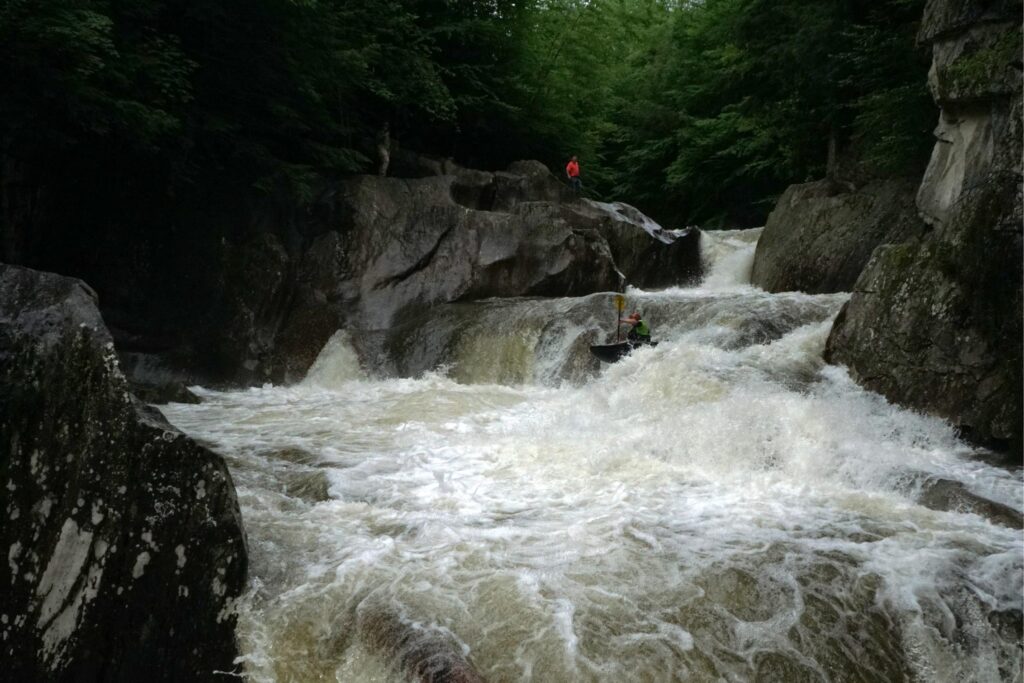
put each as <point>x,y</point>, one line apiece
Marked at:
<point>820,235</point>
<point>414,243</point>
<point>936,323</point>
<point>125,550</point>
<point>409,243</point>
<point>375,250</point>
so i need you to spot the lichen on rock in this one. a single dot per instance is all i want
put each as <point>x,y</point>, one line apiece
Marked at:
<point>96,497</point>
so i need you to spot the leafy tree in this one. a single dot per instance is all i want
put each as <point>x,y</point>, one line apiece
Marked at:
<point>694,110</point>
<point>738,98</point>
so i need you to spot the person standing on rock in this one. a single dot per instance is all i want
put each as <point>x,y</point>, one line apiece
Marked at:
<point>572,170</point>
<point>383,149</point>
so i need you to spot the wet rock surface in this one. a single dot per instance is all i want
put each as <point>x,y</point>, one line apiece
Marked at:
<point>952,496</point>
<point>936,323</point>
<point>373,249</point>
<point>475,235</point>
<point>124,541</point>
<point>820,235</point>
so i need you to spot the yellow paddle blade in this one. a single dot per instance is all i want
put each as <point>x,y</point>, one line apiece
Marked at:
<point>620,302</point>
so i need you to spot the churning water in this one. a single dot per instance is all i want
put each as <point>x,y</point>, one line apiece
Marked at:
<point>722,507</point>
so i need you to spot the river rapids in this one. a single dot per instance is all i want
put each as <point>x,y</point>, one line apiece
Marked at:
<point>477,489</point>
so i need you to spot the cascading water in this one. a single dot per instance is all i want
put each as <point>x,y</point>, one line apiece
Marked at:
<point>721,507</point>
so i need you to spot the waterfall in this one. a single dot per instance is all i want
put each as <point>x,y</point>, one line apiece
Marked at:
<point>337,363</point>
<point>483,493</point>
<point>728,256</point>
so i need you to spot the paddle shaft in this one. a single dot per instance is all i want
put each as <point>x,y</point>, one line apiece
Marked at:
<point>620,305</point>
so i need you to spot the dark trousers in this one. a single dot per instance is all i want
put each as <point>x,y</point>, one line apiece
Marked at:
<point>638,338</point>
<point>576,184</point>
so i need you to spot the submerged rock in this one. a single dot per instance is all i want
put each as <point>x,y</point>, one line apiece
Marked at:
<point>124,540</point>
<point>952,496</point>
<point>820,235</point>
<point>419,653</point>
<point>936,323</point>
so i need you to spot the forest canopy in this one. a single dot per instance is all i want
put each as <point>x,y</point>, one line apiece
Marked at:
<point>696,111</point>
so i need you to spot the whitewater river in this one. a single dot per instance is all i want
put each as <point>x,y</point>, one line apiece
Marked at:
<point>723,507</point>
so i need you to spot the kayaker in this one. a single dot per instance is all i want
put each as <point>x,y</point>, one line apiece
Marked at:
<point>640,332</point>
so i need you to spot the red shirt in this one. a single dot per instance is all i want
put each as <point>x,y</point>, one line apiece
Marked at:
<point>573,169</point>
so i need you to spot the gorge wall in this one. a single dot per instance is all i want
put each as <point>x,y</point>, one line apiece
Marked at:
<point>124,543</point>
<point>372,250</point>
<point>935,322</point>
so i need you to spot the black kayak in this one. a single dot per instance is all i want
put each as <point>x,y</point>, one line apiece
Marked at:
<point>609,353</point>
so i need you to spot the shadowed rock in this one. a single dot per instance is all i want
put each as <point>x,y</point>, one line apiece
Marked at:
<point>124,541</point>
<point>820,236</point>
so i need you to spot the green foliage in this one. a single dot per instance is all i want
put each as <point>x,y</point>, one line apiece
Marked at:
<point>892,110</point>
<point>694,110</point>
<point>70,71</point>
<point>973,71</point>
<point>739,98</point>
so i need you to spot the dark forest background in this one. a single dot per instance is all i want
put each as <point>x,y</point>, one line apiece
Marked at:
<point>147,112</point>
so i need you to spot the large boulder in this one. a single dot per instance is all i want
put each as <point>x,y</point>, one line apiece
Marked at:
<point>936,323</point>
<point>648,255</point>
<point>820,235</point>
<point>125,550</point>
<point>373,249</point>
<point>473,235</point>
<point>383,248</point>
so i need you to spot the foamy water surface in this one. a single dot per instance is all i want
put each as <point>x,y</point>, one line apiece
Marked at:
<point>721,507</point>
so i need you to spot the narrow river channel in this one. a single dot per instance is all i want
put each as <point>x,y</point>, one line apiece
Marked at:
<point>723,507</point>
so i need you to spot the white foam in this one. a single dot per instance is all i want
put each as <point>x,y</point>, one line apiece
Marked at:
<point>728,256</point>
<point>336,365</point>
<point>683,510</point>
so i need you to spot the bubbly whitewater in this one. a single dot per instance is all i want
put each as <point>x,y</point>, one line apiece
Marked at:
<point>723,507</point>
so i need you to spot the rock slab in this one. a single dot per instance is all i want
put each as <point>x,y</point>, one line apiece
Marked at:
<point>404,244</point>
<point>125,550</point>
<point>820,235</point>
<point>374,250</point>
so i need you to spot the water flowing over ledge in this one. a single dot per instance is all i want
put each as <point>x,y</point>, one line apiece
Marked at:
<point>721,506</point>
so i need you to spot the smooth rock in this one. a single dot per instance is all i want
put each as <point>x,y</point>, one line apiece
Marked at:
<point>952,496</point>
<point>820,235</point>
<point>403,245</point>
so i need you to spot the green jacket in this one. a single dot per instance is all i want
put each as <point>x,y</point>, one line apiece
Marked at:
<point>640,330</point>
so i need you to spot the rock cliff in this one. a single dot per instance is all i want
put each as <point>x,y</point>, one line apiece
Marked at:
<point>375,249</point>
<point>820,235</point>
<point>123,537</point>
<point>936,323</point>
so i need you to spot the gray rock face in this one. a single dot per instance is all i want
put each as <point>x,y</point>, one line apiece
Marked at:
<point>379,249</point>
<point>948,495</point>
<point>124,544</point>
<point>374,249</point>
<point>414,243</point>
<point>936,323</point>
<point>820,236</point>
